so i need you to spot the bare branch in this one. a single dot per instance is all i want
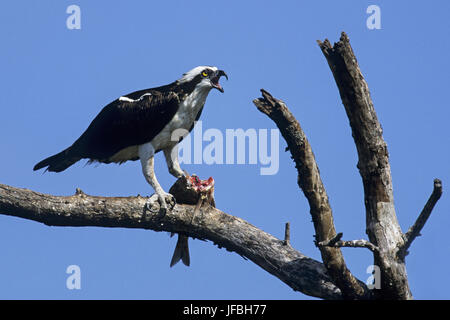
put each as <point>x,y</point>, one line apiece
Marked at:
<point>289,265</point>
<point>382,226</point>
<point>338,243</point>
<point>415,229</point>
<point>330,242</point>
<point>287,234</point>
<point>310,182</point>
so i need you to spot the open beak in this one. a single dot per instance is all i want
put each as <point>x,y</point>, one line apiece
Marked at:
<point>215,79</point>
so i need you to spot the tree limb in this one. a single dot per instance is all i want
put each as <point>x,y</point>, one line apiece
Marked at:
<point>414,230</point>
<point>310,182</point>
<point>338,243</point>
<point>289,265</point>
<point>382,229</point>
<point>287,234</point>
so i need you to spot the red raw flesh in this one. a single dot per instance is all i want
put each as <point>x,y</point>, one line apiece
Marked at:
<point>200,185</point>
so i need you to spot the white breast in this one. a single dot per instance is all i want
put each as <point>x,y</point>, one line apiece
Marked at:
<point>183,119</point>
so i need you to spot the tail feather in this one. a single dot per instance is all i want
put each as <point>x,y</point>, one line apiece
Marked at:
<point>181,251</point>
<point>58,162</point>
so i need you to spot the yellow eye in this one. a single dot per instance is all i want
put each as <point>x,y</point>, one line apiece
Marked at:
<point>204,74</point>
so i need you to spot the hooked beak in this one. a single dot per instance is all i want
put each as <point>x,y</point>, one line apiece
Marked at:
<point>215,79</point>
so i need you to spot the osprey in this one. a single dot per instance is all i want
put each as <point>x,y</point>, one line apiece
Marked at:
<point>139,125</point>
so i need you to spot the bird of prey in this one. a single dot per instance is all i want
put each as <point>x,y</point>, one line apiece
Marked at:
<point>138,125</point>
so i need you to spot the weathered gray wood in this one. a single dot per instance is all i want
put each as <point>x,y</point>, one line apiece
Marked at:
<point>415,229</point>
<point>310,182</point>
<point>338,243</point>
<point>382,229</point>
<point>234,234</point>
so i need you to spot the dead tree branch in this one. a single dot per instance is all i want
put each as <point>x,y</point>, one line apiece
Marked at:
<point>287,234</point>
<point>310,182</point>
<point>415,229</point>
<point>338,243</point>
<point>289,265</point>
<point>382,229</point>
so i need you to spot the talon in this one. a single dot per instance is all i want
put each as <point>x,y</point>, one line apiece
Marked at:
<point>170,199</point>
<point>161,203</point>
<point>152,204</point>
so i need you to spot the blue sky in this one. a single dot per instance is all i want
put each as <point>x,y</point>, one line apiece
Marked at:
<point>53,81</point>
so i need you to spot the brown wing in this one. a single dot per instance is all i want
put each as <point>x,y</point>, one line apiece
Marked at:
<point>126,122</point>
